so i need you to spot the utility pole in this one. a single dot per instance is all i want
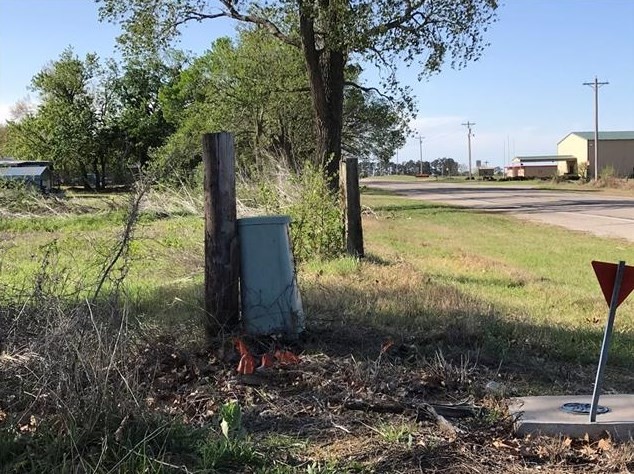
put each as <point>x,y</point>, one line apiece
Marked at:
<point>420,143</point>
<point>469,135</point>
<point>595,85</point>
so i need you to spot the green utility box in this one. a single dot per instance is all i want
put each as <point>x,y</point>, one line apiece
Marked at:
<point>271,303</point>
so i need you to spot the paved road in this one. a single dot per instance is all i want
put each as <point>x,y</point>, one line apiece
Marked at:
<point>600,214</point>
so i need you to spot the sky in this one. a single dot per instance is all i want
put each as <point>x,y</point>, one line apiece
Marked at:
<point>524,94</point>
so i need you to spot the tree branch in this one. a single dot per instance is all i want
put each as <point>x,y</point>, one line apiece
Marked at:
<point>368,89</point>
<point>232,12</point>
<point>196,16</point>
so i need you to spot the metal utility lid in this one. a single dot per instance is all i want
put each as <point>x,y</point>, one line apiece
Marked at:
<point>582,408</point>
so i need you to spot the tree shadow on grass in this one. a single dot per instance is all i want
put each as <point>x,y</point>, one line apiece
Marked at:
<point>459,325</point>
<point>346,318</point>
<point>344,357</point>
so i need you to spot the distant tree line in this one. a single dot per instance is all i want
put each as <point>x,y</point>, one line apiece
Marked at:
<point>439,167</point>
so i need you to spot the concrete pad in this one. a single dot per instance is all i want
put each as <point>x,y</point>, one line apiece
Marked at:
<point>543,415</point>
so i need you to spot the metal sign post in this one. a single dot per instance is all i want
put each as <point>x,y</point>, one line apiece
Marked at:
<point>605,346</point>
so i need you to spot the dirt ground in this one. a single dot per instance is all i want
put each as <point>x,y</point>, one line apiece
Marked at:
<point>368,410</point>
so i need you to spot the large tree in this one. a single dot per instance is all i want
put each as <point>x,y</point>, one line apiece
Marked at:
<point>140,120</point>
<point>257,87</point>
<point>330,33</point>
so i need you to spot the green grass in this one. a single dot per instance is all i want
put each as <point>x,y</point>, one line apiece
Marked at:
<point>531,276</point>
<point>166,254</point>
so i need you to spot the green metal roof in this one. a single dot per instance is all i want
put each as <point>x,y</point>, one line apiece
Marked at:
<point>605,135</point>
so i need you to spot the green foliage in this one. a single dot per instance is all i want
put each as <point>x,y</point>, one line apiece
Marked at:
<point>316,217</point>
<point>374,127</point>
<point>140,120</point>
<point>222,455</point>
<point>94,121</point>
<point>332,38</point>
<point>254,87</point>
<point>232,450</point>
<point>230,415</point>
<point>135,446</point>
<point>383,32</point>
<point>317,220</point>
<point>64,127</point>
<point>444,167</point>
<point>398,432</point>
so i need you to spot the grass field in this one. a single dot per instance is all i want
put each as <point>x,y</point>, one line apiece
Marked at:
<point>446,301</point>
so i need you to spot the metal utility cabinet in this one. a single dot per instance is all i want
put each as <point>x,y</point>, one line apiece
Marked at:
<point>269,294</point>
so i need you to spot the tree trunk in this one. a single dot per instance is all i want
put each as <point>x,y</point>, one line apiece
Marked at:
<point>102,164</point>
<point>326,75</point>
<point>97,173</point>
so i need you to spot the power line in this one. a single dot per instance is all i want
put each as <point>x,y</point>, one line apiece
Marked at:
<point>469,135</point>
<point>595,85</point>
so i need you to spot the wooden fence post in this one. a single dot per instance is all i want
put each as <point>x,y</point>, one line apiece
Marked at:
<point>222,266</point>
<point>351,199</point>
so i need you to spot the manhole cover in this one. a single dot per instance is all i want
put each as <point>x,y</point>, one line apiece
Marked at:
<point>582,408</point>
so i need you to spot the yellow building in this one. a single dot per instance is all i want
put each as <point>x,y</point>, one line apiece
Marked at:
<point>616,152</point>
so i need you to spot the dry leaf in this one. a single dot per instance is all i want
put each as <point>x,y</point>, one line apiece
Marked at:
<point>30,427</point>
<point>604,444</point>
<point>589,451</point>
<point>500,444</point>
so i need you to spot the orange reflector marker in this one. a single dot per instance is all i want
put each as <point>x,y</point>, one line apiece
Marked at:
<point>286,357</point>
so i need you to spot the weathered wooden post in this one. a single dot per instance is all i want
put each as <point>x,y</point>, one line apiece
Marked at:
<point>222,266</point>
<point>351,200</point>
